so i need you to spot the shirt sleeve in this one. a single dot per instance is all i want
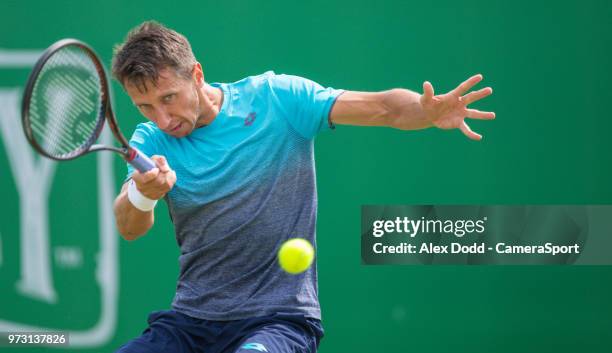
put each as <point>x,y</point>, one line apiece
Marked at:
<point>143,139</point>
<point>307,104</point>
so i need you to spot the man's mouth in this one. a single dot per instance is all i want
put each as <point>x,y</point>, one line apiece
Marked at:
<point>176,127</point>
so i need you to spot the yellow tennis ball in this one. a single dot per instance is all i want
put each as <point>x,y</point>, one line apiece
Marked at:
<point>295,255</point>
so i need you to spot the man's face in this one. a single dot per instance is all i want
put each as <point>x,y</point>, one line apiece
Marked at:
<point>173,103</point>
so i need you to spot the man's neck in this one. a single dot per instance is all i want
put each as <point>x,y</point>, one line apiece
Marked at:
<point>210,104</point>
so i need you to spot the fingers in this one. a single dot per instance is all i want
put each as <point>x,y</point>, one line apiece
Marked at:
<point>467,85</point>
<point>476,95</point>
<point>161,163</point>
<point>156,189</point>
<point>477,114</point>
<point>143,178</point>
<point>171,179</point>
<point>468,132</point>
<point>428,91</point>
<point>150,175</point>
<point>156,182</point>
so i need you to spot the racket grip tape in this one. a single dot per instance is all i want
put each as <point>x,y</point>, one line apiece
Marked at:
<point>140,161</point>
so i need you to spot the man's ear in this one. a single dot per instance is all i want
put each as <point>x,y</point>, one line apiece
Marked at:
<point>198,73</point>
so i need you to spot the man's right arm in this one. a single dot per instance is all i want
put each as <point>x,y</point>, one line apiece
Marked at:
<point>133,222</point>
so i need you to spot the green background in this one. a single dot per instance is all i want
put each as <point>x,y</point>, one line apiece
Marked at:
<point>548,64</point>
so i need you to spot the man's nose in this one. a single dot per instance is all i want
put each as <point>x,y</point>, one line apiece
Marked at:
<point>162,119</point>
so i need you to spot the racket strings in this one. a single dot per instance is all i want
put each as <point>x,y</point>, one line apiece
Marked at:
<point>66,103</point>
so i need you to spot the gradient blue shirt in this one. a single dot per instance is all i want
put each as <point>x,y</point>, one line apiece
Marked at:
<point>245,184</point>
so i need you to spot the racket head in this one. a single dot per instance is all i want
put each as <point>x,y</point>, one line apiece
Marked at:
<point>66,101</point>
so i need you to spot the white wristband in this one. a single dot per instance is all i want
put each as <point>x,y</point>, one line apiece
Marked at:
<point>137,199</point>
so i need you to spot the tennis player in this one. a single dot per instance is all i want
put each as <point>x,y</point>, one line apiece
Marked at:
<point>236,168</point>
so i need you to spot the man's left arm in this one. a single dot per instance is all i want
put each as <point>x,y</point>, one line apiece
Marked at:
<point>407,110</point>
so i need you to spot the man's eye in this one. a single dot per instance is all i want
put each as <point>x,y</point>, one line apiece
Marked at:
<point>143,107</point>
<point>168,98</point>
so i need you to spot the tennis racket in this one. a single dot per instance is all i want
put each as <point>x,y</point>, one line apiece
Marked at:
<point>65,104</point>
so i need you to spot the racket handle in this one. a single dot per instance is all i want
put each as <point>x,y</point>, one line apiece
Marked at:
<point>140,161</point>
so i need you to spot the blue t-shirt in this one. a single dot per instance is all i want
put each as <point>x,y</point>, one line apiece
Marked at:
<point>245,184</point>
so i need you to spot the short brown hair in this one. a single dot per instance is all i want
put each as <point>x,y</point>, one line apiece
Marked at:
<point>149,48</point>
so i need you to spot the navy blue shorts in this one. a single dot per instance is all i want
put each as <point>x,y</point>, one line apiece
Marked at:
<point>170,331</point>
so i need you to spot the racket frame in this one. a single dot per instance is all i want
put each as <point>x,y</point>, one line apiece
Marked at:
<point>106,113</point>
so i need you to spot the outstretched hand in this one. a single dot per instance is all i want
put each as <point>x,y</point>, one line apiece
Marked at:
<point>448,111</point>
